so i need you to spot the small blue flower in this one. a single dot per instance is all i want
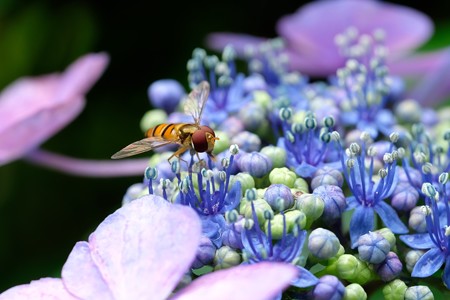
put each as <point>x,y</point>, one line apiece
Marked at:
<point>368,194</point>
<point>227,94</point>
<point>307,144</point>
<point>212,198</point>
<point>437,238</point>
<point>366,83</point>
<point>426,159</point>
<point>259,246</point>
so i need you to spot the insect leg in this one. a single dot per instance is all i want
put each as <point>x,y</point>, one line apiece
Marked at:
<point>177,154</point>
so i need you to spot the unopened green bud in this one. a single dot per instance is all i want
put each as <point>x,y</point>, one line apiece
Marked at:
<point>311,205</point>
<point>301,185</point>
<point>353,270</point>
<point>225,257</point>
<point>152,118</point>
<point>276,154</point>
<point>354,291</point>
<point>293,217</point>
<point>223,143</point>
<point>247,181</point>
<point>282,176</point>
<point>261,206</point>
<point>395,290</point>
<point>262,98</point>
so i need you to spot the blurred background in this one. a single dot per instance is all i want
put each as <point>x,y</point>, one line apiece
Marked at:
<point>43,212</point>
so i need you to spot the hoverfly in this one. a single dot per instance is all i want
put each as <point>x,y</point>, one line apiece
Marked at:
<point>199,138</point>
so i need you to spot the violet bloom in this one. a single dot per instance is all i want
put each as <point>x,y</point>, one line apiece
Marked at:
<point>34,109</point>
<point>437,238</point>
<point>368,194</point>
<point>129,256</point>
<point>309,39</point>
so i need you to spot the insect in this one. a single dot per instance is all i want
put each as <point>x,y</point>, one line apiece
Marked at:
<point>199,138</point>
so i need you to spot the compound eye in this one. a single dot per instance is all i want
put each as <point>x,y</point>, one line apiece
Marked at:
<point>207,129</point>
<point>199,140</point>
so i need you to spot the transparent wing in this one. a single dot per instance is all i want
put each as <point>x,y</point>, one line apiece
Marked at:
<point>196,100</point>
<point>142,146</point>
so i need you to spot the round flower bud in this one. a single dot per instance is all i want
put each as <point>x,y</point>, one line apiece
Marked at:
<point>232,238</point>
<point>404,197</point>
<point>354,291</point>
<point>152,118</point>
<point>260,207</point>
<point>246,180</point>
<point>311,205</point>
<point>353,270</point>
<point>276,154</point>
<point>254,163</point>
<point>323,243</point>
<point>333,199</point>
<point>247,141</point>
<point>327,176</point>
<point>411,259</point>
<point>205,253</point>
<point>225,258</point>
<point>408,111</point>
<point>419,292</point>
<point>223,143</point>
<point>302,185</point>
<point>388,235</point>
<point>394,290</point>
<point>252,115</point>
<point>275,191</point>
<point>328,288</point>
<point>417,220</point>
<point>277,224</point>
<point>390,268</point>
<point>373,247</point>
<point>282,175</point>
<point>165,94</point>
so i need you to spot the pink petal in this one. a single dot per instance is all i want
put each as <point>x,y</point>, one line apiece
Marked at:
<point>316,24</point>
<point>259,281</point>
<point>81,75</point>
<point>34,109</point>
<point>240,42</point>
<point>42,289</point>
<point>434,86</point>
<point>140,251</point>
<point>311,30</point>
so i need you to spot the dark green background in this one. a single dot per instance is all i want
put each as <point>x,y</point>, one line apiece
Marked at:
<point>43,212</point>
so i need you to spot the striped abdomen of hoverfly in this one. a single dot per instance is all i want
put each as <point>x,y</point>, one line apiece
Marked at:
<point>172,132</point>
